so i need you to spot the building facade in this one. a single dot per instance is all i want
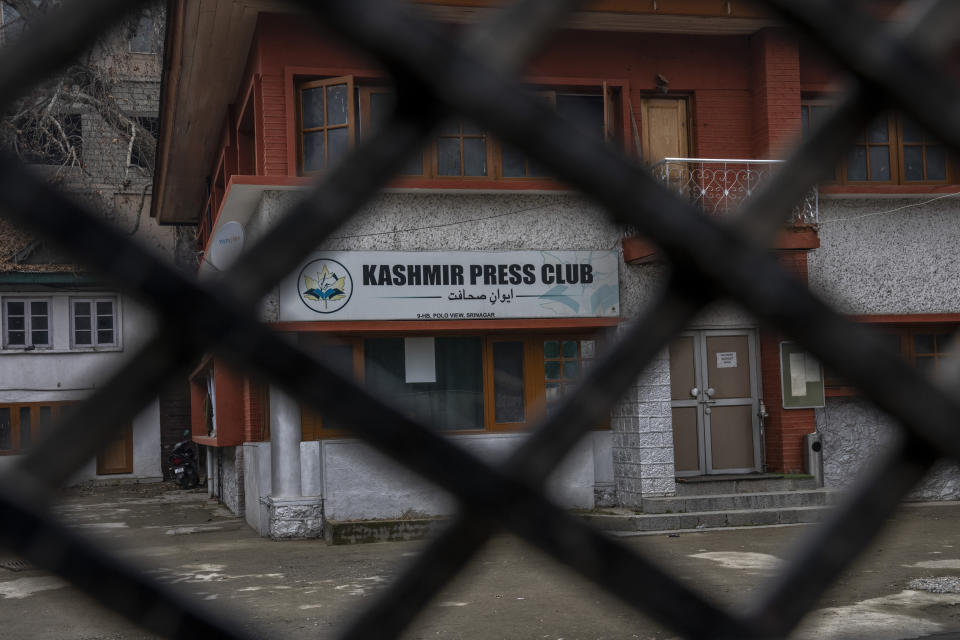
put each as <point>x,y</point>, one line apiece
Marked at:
<point>64,329</point>
<point>477,289</point>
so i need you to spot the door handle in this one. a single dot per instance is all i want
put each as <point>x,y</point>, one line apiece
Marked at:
<point>710,391</point>
<point>694,392</point>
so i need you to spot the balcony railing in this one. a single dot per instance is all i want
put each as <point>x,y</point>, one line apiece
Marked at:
<point>719,186</point>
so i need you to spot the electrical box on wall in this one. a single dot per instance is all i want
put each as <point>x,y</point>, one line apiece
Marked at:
<point>801,378</point>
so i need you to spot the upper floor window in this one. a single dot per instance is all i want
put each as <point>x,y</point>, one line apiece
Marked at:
<point>892,150</point>
<point>26,323</point>
<point>94,322</point>
<point>145,34</point>
<point>335,111</point>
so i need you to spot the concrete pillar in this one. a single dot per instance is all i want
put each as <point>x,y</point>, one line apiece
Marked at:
<point>642,434</point>
<point>291,514</point>
<point>284,445</point>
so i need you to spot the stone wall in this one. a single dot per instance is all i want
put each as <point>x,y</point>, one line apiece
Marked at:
<point>643,437</point>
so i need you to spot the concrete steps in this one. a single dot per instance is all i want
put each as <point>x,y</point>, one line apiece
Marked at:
<point>728,501</point>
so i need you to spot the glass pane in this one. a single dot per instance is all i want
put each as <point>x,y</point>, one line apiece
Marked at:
<point>337,104</point>
<point>553,392</point>
<point>508,382</point>
<point>82,323</point>
<point>46,417</point>
<point>571,370</point>
<point>454,401</point>
<point>104,322</point>
<point>943,341</point>
<point>514,163</point>
<point>413,166</point>
<point>475,156</point>
<point>448,156</point>
<point>923,343</point>
<point>40,323</point>
<point>39,338</point>
<point>16,337</point>
<point>82,338</point>
<point>857,164</point>
<point>313,157</point>
<point>6,430</point>
<point>15,308</point>
<point>38,308</point>
<point>536,170</point>
<point>588,348</point>
<point>551,349</point>
<point>585,113</point>
<point>25,427</point>
<point>936,163</point>
<point>879,163</point>
<point>312,107</point>
<point>569,349</point>
<point>380,106</point>
<point>104,308</point>
<point>818,114</point>
<point>913,163</point>
<point>81,308</point>
<point>879,130</point>
<point>551,370</point>
<point>926,364</point>
<point>339,141</point>
<point>911,130</point>
<point>16,323</point>
<point>105,337</point>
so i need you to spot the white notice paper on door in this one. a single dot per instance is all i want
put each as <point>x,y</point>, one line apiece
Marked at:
<point>726,360</point>
<point>812,367</point>
<point>420,363</point>
<point>798,375</point>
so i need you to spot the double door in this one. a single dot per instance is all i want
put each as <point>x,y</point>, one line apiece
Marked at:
<point>715,403</point>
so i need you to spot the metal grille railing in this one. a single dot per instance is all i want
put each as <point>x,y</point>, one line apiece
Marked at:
<point>475,76</point>
<point>720,186</point>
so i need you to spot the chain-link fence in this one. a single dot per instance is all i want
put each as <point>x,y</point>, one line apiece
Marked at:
<point>891,63</point>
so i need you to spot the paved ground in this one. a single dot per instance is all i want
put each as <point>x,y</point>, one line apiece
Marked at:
<point>305,589</point>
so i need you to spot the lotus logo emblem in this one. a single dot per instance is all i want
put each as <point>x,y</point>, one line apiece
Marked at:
<point>325,286</point>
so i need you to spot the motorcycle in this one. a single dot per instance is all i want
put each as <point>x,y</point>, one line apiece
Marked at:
<point>183,463</point>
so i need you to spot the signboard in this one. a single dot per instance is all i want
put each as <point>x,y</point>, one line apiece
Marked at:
<point>451,285</point>
<point>726,360</point>
<point>226,245</point>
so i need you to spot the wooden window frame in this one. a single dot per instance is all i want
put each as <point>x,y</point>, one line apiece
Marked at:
<point>28,344</point>
<point>35,427</point>
<point>835,386</point>
<point>895,145</point>
<point>350,126</point>
<point>535,404</point>
<point>361,90</point>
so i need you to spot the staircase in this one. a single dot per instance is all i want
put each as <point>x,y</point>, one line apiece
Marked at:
<point>709,502</point>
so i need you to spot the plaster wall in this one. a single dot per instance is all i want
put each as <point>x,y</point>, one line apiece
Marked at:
<point>888,256</point>
<point>854,431</point>
<point>360,483</point>
<point>883,257</point>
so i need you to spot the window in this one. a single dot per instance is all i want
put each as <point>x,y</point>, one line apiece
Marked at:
<point>462,383</point>
<point>21,423</point>
<point>94,322</point>
<point>923,346</point>
<point>26,323</point>
<point>333,112</point>
<point>892,150</point>
<point>327,122</point>
<point>144,35</point>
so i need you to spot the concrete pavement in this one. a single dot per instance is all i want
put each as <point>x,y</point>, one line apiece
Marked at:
<point>306,589</point>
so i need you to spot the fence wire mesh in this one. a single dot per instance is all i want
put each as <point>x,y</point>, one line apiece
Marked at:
<point>891,63</point>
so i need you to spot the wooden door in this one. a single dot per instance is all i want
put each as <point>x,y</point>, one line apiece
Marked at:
<point>117,455</point>
<point>663,125</point>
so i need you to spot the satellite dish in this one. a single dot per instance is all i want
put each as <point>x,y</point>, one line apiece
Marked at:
<point>226,245</point>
